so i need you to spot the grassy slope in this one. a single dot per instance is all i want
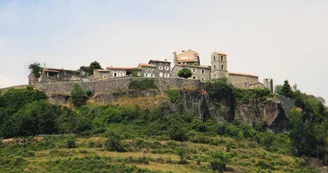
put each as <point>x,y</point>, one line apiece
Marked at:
<point>153,156</point>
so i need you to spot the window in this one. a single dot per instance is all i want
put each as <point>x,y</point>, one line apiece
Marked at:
<point>214,67</point>
<point>203,79</point>
<point>146,68</point>
<point>221,58</point>
<point>160,67</point>
<point>167,68</point>
<point>151,69</point>
<point>145,74</point>
<point>203,71</point>
<point>193,77</point>
<point>194,70</point>
<point>222,67</point>
<point>64,72</point>
<point>160,74</point>
<point>104,77</point>
<point>149,75</point>
<point>214,58</point>
<point>115,74</point>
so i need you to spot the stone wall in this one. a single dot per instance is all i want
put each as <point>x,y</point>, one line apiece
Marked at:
<point>115,84</point>
<point>244,81</point>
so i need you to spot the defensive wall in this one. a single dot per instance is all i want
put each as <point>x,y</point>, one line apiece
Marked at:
<point>115,84</point>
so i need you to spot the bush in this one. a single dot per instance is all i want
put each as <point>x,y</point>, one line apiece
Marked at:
<point>78,96</point>
<point>114,143</point>
<point>218,161</point>
<point>185,73</point>
<point>70,143</point>
<point>142,84</point>
<point>173,95</point>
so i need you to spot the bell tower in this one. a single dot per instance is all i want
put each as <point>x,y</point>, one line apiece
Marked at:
<point>219,65</point>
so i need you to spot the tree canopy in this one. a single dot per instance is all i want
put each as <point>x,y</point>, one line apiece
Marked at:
<point>35,68</point>
<point>89,69</point>
<point>185,73</point>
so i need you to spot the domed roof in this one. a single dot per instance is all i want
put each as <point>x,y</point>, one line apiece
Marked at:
<point>187,56</point>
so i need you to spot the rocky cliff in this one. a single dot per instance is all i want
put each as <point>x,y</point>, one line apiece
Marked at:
<point>270,113</point>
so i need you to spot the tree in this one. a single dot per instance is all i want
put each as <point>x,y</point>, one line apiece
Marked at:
<point>36,118</point>
<point>185,73</point>
<point>218,161</point>
<point>277,89</point>
<point>35,68</point>
<point>287,90</point>
<point>89,69</point>
<point>78,96</point>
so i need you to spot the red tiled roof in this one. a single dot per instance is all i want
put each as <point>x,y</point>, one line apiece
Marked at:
<point>220,53</point>
<point>242,74</point>
<point>152,60</point>
<point>146,65</point>
<point>120,68</point>
<point>187,60</point>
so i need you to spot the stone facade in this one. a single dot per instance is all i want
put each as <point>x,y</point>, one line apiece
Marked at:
<point>201,73</point>
<point>114,84</point>
<point>100,74</point>
<point>163,68</point>
<point>219,65</point>
<point>52,75</point>
<point>120,71</point>
<point>147,70</point>
<point>244,81</point>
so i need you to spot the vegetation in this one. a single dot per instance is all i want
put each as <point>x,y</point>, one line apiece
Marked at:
<point>142,84</point>
<point>89,69</point>
<point>109,138</point>
<point>78,96</point>
<point>185,73</point>
<point>36,69</point>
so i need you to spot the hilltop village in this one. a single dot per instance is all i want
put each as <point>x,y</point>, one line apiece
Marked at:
<point>159,69</point>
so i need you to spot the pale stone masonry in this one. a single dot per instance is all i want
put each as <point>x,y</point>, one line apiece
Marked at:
<point>160,69</point>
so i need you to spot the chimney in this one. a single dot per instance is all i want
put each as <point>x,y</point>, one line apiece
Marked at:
<point>183,51</point>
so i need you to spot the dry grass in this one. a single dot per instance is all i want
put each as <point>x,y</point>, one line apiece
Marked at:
<point>143,102</point>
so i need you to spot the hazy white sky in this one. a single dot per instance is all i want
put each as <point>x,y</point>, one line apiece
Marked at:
<point>282,39</point>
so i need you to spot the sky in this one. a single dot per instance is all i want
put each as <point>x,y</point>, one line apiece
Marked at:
<point>279,39</point>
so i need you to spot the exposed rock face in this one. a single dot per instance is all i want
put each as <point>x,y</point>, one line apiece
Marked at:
<point>269,113</point>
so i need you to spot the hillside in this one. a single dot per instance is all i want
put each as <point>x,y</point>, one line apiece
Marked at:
<point>215,129</point>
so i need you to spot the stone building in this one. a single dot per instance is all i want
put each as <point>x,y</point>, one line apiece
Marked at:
<point>99,74</point>
<point>120,71</point>
<point>201,73</point>
<point>219,65</point>
<point>52,75</point>
<point>163,68</point>
<point>188,57</point>
<point>147,70</point>
<point>218,69</point>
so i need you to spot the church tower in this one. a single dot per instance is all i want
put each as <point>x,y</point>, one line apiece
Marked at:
<point>219,65</point>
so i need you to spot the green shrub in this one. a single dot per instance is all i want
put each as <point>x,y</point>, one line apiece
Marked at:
<point>173,95</point>
<point>114,143</point>
<point>218,161</point>
<point>70,143</point>
<point>142,84</point>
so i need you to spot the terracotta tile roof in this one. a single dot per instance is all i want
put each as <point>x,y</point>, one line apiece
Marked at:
<point>242,74</point>
<point>220,53</point>
<point>120,68</point>
<point>187,56</point>
<point>146,65</point>
<point>152,60</point>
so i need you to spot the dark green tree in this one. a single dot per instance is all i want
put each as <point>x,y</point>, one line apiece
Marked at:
<point>89,69</point>
<point>218,161</point>
<point>78,96</point>
<point>36,118</point>
<point>185,73</point>
<point>286,90</point>
<point>35,68</point>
